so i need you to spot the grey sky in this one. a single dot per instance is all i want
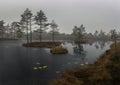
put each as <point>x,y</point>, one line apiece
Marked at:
<point>94,14</point>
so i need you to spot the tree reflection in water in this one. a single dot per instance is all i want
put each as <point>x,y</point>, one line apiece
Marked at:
<point>79,51</point>
<point>100,44</point>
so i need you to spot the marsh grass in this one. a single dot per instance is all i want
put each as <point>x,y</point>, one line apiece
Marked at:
<point>105,71</point>
<point>59,50</point>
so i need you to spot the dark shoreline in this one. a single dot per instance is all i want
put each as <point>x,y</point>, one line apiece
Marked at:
<point>42,44</point>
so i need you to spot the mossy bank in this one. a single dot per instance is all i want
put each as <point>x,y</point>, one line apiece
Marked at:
<point>105,71</point>
<point>58,50</point>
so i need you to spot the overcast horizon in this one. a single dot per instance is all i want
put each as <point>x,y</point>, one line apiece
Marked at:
<point>93,14</point>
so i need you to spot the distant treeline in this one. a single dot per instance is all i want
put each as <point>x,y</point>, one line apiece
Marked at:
<point>34,27</point>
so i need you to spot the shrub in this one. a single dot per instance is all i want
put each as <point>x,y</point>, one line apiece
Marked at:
<point>58,50</point>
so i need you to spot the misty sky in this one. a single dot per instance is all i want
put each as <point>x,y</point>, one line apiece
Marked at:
<point>93,14</point>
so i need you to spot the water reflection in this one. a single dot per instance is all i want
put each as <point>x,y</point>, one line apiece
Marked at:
<point>96,46</point>
<point>102,44</point>
<point>85,53</point>
<point>99,44</point>
<point>18,64</point>
<point>79,51</point>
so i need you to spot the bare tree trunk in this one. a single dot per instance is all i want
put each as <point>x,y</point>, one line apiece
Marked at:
<point>115,45</point>
<point>27,33</point>
<point>11,34</point>
<point>53,37</point>
<point>14,32</point>
<point>2,34</point>
<point>40,37</point>
<point>30,32</point>
<point>7,34</point>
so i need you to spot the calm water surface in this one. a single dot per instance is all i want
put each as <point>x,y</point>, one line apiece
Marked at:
<point>17,62</point>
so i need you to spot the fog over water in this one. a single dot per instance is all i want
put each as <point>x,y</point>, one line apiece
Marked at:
<point>94,14</point>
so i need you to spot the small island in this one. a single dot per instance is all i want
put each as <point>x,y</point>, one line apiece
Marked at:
<point>42,44</point>
<point>55,47</point>
<point>58,50</point>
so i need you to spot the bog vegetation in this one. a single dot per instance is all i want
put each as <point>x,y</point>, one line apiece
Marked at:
<point>105,71</point>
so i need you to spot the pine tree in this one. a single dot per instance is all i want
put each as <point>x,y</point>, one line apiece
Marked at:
<point>54,29</point>
<point>26,19</point>
<point>40,20</point>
